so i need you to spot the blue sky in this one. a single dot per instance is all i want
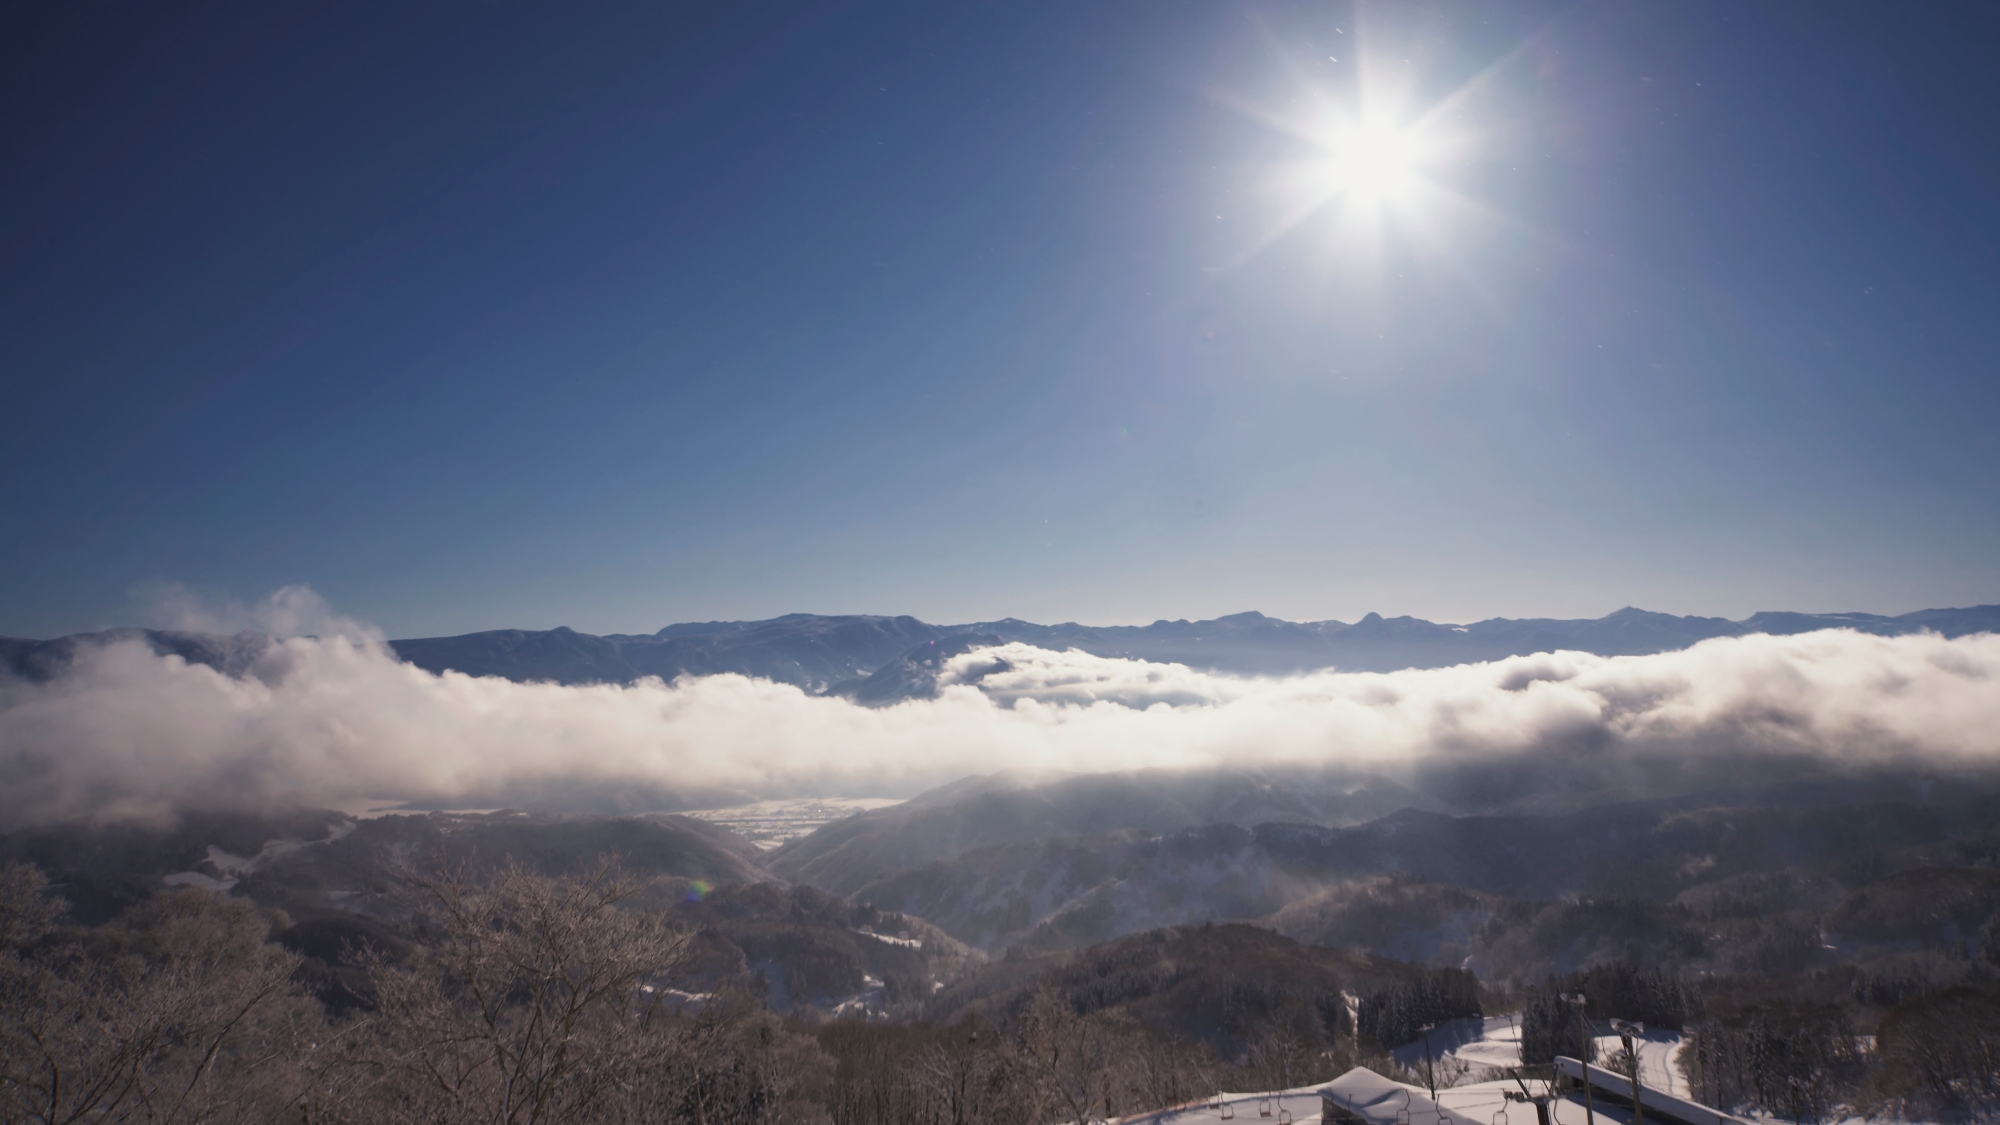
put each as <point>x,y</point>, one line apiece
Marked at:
<point>472,316</point>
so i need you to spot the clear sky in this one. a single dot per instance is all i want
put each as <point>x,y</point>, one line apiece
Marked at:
<point>505,314</point>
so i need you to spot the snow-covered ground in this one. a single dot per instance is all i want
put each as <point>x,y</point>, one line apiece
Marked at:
<point>770,823</point>
<point>866,1004</point>
<point>1475,1104</point>
<point>370,808</point>
<point>1480,1102</point>
<point>1496,1041</point>
<point>232,868</point>
<point>1379,1101</point>
<point>1492,1042</point>
<point>1302,1104</point>
<point>1487,1101</point>
<point>1480,1044</point>
<point>891,939</point>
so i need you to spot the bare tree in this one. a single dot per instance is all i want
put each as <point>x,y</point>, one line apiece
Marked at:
<point>957,1070</point>
<point>1280,1058</point>
<point>1159,1072</point>
<point>731,1063</point>
<point>1798,1064</point>
<point>1069,1056</point>
<point>1620,1061</point>
<point>26,914</point>
<point>535,1000</point>
<point>1940,1055</point>
<point>179,1012</point>
<point>874,1084</point>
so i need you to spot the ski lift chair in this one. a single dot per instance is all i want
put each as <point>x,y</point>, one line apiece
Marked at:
<point>1264,1108</point>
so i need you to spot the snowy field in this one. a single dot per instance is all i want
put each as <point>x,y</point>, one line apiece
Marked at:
<point>1379,1101</point>
<point>1496,1041</point>
<point>1465,1048</point>
<point>770,823</point>
<point>1479,1044</point>
<point>1301,1104</point>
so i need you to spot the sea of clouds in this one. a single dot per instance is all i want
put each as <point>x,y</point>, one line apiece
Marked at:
<point>126,734</point>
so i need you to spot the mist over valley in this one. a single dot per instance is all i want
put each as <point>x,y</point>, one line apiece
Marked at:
<point>1228,427</point>
<point>1532,814</point>
<point>1230,865</point>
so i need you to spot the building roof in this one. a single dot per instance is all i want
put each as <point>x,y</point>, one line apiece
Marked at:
<point>1659,1106</point>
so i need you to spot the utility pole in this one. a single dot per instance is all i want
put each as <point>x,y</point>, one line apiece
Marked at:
<point>1625,1033</point>
<point>1575,1000</point>
<point>1430,1070</point>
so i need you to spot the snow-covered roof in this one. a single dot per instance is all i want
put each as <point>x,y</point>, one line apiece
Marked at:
<point>1660,1106</point>
<point>1364,1097</point>
<point>1375,1100</point>
<point>1301,1104</point>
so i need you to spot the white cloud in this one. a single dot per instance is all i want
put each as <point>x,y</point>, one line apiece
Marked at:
<point>128,734</point>
<point>289,611</point>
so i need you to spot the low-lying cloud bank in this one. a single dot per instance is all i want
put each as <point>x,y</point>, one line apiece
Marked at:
<point>128,735</point>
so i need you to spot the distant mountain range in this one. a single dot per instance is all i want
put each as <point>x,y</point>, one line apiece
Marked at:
<point>882,659</point>
<point>1862,869</point>
<point>1080,860</point>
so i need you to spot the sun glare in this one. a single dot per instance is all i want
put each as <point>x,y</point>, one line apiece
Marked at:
<point>1371,158</point>
<point>1374,164</point>
<point>1369,169</point>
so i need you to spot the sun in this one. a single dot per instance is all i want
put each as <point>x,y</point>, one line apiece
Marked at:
<point>1367,167</point>
<point>1375,163</point>
<point>1371,153</point>
<point>1371,162</point>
